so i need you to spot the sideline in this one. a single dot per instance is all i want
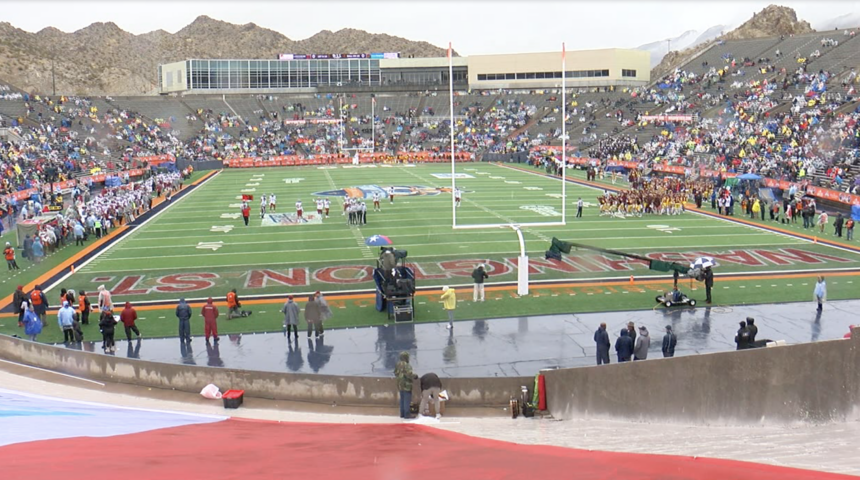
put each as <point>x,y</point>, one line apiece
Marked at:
<point>99,245</point>
<point>700,211</point>
<point>279,299</point>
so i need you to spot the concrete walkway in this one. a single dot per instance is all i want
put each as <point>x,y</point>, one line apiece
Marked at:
<point>494,348</point>
<point>830,448</point>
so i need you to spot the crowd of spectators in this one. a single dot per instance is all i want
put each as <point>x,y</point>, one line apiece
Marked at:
<point>768,120</point>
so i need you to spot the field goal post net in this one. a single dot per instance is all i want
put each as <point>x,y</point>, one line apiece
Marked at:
<point>523,260</point>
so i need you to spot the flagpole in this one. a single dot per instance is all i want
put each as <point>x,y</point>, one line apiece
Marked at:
<point>451,107</point>
<point>372,124</point>
<point>340,116</point>
<point>563,136</point>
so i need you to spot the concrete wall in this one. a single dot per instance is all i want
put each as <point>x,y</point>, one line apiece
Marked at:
<point>612,59</point>
<point>324,389</point>
<point>814,382</point>
<point>173,77</point>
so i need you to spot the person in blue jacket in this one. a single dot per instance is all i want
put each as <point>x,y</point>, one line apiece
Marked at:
<point>624,347</point>
<point>32,323</point>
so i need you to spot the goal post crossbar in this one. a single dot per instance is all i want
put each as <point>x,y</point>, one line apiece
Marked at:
<point>509,225</point>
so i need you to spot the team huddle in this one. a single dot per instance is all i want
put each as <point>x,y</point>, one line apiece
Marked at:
<point>655,196</point>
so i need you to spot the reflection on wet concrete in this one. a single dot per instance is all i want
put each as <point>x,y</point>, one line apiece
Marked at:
<point>500,347</point>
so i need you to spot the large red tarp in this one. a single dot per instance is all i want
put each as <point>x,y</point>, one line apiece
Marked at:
<point>242,449</point>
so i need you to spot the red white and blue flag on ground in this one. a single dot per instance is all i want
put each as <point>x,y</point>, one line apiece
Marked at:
<point>377,241</point>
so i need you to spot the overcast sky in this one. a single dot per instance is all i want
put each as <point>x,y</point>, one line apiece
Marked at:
<point>474,27</point>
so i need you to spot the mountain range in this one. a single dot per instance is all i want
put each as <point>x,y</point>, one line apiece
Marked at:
<point>103,59</point>
<point>693,38</point>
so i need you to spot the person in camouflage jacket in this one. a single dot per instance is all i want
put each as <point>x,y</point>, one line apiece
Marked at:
<point>405,377</point>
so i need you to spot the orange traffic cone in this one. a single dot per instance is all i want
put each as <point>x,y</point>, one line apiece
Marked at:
<point>814,239</point>
<point>73,269</point>
<point>631,278</point>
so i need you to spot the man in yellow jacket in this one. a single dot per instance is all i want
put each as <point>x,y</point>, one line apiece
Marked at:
<point>449,303</point>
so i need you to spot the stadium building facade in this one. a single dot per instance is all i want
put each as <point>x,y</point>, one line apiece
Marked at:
<point>310,73</point>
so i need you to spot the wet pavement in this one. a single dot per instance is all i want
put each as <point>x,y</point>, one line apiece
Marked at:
<point>519,346</point>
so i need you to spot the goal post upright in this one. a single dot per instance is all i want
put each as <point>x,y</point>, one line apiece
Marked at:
<point>451,113</point>
<point>563,137</point>
<point>522,258</point>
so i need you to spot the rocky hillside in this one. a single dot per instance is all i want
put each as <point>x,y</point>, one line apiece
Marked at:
<point>774,20</point>
<point>103,59</point>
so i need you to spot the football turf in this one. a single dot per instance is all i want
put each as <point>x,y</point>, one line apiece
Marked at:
<point>199,247</point>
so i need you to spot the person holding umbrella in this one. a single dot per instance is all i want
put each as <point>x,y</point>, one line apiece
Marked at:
<point>709,283</point>
<point>705,265</point>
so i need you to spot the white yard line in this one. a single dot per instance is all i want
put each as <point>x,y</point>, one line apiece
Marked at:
<point>135,228</point>
<point>357,235</point>
<point>304,262</point>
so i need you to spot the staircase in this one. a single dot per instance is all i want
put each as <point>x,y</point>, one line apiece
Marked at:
<point>263,107</point>
<point>532,122</point>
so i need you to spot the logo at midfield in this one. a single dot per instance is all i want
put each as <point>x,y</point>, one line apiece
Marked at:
<point>367,191</point>
<point>289,219</point>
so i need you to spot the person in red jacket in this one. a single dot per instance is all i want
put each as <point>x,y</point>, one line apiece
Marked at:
<point>128,316</point>
<point>210,316</point>
<point>246,212</point>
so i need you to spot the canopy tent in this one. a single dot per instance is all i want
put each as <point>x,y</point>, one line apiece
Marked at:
<point>749,176</point>
<point>31,227</point>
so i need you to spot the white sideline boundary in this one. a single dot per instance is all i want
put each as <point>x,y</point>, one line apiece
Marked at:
<point>133,229</point>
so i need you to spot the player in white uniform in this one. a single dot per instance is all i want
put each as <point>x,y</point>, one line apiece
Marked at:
<point>263,205</point>
<point>319,203</point>
<point>299,209</point>
<point>391,194</point>
<point>458,194</point>
<point>376,207</point>
<point>346,202</point>
<point>326,205</point>
<point>272,202</point>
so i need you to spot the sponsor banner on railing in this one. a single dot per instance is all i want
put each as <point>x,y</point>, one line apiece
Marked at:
<point>314,121</point>
<point>157,159</point>
<point>676,169</point>
<point>554,148</point>
<point>340,159</point>
<point>623,163</point>
<point>666,118</point>
<point>59,186</point>
<point>825,193</point>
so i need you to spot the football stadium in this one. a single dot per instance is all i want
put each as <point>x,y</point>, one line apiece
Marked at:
<point>523,254</point>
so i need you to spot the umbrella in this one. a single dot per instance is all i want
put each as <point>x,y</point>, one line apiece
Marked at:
<point>749,176</point>
<point>703,262</point>
<point>377,241</point>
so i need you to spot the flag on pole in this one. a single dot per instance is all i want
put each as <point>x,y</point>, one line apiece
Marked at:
<point>449,50</point>
<point>562,51</point>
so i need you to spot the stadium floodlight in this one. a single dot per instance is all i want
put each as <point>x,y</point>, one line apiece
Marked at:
<point>523,261</point>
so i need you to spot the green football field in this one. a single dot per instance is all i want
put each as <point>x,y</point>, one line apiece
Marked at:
<point>200,247</point>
